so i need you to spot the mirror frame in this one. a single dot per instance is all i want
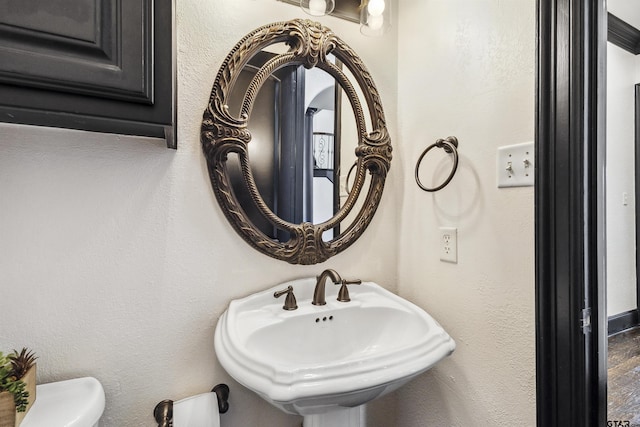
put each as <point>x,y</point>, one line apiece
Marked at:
<point>221,134</point>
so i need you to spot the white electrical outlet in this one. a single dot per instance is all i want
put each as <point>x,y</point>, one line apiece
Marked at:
<point>449,244</point>
<point>516,165</point>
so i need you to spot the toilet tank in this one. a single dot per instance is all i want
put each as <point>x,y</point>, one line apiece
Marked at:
<point>77,402</point>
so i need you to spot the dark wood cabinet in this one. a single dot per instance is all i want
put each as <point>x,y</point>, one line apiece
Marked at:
<point>98,65</point>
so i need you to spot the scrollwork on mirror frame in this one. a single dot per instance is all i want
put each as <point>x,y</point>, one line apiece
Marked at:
<point>222,134</point>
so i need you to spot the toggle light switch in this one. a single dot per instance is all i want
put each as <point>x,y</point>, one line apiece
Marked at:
<point>515,165</point>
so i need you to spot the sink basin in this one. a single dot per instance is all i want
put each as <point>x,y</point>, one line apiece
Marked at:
<point>318,359</point>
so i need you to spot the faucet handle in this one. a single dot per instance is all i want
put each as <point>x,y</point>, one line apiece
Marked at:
<point>290,300</point>
<point>343,293</point>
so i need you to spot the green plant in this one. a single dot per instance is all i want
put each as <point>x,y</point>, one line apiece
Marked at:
<point>11,380</point>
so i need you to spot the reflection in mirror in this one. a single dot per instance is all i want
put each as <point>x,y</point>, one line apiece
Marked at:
<point>285,123</point>
<point>296,151</point>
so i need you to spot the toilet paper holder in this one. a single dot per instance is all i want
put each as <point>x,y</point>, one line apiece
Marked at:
<point>163,412</point>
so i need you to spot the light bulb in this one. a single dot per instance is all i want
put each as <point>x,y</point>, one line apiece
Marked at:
<point>376,7</point>
<point>375,22</point>
<point>317,7</point>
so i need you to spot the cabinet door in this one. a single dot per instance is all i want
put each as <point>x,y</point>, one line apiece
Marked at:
<point>101,65</point>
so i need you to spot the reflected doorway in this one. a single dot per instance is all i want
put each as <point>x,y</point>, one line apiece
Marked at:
<point>622,203</point>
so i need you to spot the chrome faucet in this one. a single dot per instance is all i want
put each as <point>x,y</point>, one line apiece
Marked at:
<point>319,294</point>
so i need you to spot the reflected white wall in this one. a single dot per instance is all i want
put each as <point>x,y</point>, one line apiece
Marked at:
<point>623,73</point>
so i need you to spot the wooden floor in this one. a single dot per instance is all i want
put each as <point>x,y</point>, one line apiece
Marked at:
<point>623,402</point>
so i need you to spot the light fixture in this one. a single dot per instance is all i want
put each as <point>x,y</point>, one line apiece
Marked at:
<point>375,17</point>
<point>317,7</point>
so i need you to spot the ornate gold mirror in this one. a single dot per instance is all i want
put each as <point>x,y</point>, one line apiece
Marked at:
<point>290,96</point>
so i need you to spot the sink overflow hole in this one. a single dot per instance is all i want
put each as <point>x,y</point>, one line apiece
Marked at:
<point>324,319</point>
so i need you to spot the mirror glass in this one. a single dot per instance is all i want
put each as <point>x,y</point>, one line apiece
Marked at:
<point>299,150</point>
<point>303,144</point>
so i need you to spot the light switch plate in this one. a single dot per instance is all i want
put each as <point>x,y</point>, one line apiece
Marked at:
<point>516,165</point>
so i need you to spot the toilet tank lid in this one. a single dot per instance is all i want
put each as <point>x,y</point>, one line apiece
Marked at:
<point>77,402</point>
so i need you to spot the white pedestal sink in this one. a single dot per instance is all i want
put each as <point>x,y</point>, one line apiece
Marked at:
<point>324,362</point>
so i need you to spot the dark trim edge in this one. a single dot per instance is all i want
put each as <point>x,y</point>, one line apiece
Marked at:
<point>78,122</point>
<point>623,321</point>
<point>637,190</point>
<point>570,310</point>
<point>623,35</point>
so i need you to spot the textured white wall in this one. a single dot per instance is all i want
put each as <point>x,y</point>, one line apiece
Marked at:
<point>622,75</point>
<point>115,259</point>
<point>126,261</point>
<point>466,68</point>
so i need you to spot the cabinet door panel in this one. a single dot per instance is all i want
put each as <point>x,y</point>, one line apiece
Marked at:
<point>100,48</point>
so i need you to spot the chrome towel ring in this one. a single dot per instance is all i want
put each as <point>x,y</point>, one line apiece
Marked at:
<point>449,145</point>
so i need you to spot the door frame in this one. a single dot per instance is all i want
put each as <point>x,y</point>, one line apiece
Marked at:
<point>571,326</point>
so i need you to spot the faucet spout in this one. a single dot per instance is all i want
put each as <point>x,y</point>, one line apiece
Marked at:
<point>318,293</point>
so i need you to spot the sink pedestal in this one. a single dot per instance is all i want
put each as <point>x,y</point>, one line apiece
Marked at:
<point>347,417</point>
